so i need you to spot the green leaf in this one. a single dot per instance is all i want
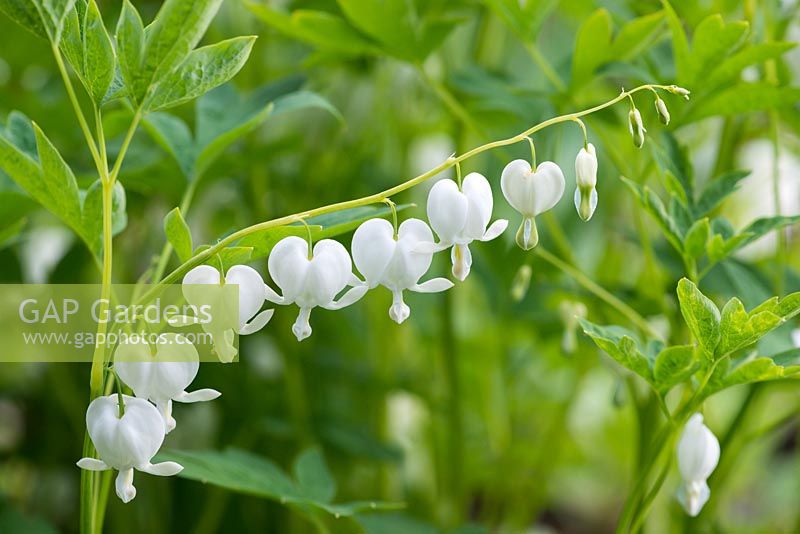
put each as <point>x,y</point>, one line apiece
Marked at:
<point>636,36</point>
<point>713,39</point>
<point>745,98</point>
<point>24,13</point>
<point>178,234</point>
<point>130,49</point>
<point>680,44</point>
<point>694,244</point>
<point>763,226</point>
<point>244,472</point>
<point>730,69</point>
<point>52,14</point>
<point>718,189</point>
<point>740,329</point>
<point>324,30</point>
<point>168,40</point>
<point>621,346</point>
<point>673,159</point>
<point>523,18</point>
<point>174,136</point>
<point>674,365</point>
<point>592,47</point>
<point>59,182</point>
<point>745,371</point>
<point>99,62</point>
<point>653,205</point>
<point>313,476</point>
<point>701,315</point>
<point>92,215</point>
<point>203,70</point>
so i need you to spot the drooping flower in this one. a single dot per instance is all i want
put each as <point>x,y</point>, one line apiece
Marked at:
<point>252,293</point>
<point>586,179</point>
<point>531,192</point>
<point>636,127</point>
<point>662,111</point>
<point>311,279</point>
<point>173,366</point>
<point>396,263</point>
<point>698,455</point>
<point>126,443</point>
<point>461,217</point>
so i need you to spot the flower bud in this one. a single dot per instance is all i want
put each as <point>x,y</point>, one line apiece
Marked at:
<point>698,455</point>
<point>636,127</point>
<point>586,178</point>
<point>521,283</point>
<point>663,112</point>
<point>571,313</point>
<point>680,91</point>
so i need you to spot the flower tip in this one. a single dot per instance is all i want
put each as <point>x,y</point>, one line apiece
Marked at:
<point>527,236</point>
<point>399,312</point>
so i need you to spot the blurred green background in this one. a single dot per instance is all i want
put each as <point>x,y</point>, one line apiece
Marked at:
<point>472,412</point>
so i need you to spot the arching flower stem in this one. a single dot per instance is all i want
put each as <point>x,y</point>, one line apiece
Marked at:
<point>198,259</point>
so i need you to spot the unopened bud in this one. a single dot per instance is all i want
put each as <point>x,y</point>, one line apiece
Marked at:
<point>521,283</point>
<point>680,91</point>
<point>663,112</point>
<point>636,127</point>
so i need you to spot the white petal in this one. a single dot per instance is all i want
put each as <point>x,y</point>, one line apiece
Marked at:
<point>328,273</point>
<point>409,262</point>
<point>372,247</point>
<point>224,346</point>
<point>124,485</point>
<point>399,310</point>
<point>494,231</point>
<point>252,290</point>
<point>164,469</point>
<point>258,322</point>
<point>302,326</point>
<point>548,186</point>
<point>201,395</point>
<point>479,194</point>
<point>698,450</point>
<point>92,464</point>
<point>272,296</point>
<point>165,408</point>
<point>202,274</point>
<point>513,182</point>
<point>693,496</point>
<point>461,258</point>
<point>447,210</point>
<point>586,167</point>
<point>287,265</point>
<point>352,296</point>
<point>434,285</point>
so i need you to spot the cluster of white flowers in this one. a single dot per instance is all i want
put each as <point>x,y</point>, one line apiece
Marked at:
<point>128,431</point>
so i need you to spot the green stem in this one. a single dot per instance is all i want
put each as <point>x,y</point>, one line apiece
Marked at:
<point>647,502</point>
<point>544,65</point>
<point>597,290</point>
<point>76,106</point>
<point>175,275</point>
<point>455,432</point>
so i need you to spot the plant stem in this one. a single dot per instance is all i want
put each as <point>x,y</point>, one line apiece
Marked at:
<point>597,290</point>
<point>76,106</point>
<point>377,197</point>
<point>545,66</point>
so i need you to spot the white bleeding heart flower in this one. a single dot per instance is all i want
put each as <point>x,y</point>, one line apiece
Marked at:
<point>586,179</point>
<point>636,127</point>
<point>698,455</point>
<point>126,443</point>
<point>312,279</point>
<point>252,293</point>
<point>531,192</point>
<point>461,217</point>
<point>162,373</point>
<point>396,264</point>
<point>663,112</point>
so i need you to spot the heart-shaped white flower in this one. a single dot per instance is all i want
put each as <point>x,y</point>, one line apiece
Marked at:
<point>311,280</point>
<point>460,217</point>
<point>162,373</point>
<point>531,193</point>
<point>698,455</point>
<point>252,293</point>
<point>396,264</point>
<point>586,180</point>
<point>126,443</point>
